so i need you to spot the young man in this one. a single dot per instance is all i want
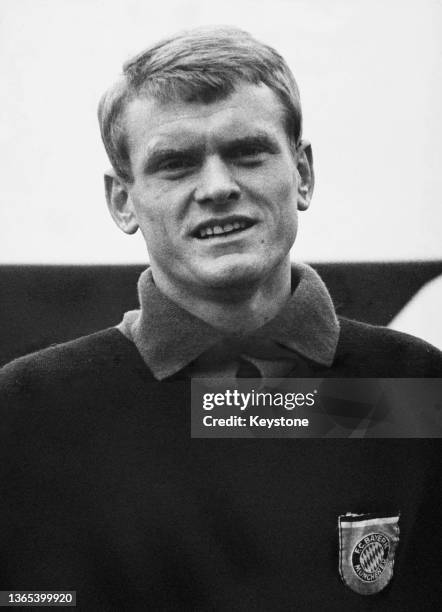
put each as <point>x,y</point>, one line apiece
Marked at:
<point>204,132</point>
<point>110,495</point>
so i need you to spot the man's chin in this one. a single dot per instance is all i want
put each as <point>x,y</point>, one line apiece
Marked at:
<point>233,274</point>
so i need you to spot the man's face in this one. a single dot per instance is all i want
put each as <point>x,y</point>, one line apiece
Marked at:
<point>215,189</point>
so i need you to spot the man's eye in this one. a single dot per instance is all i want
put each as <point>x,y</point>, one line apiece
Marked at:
<point>175,166</point>
<point>177,163</point>
<point>249,155</point>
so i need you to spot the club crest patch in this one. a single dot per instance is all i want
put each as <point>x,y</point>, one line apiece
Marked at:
<point>367,545</point>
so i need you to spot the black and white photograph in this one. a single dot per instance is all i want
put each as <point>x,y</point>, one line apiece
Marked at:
<point>205,205</point>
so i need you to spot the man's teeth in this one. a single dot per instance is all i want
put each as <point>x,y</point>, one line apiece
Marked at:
<point>222,229</point>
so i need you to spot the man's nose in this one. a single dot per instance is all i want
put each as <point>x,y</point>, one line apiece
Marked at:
<point>216,183</point>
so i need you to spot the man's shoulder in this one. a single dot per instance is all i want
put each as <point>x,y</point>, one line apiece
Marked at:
<point>371,350</point>
<point>84,361</point>
<point>92,349</point>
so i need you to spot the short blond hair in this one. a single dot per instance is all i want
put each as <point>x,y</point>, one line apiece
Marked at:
<point>200,65</point>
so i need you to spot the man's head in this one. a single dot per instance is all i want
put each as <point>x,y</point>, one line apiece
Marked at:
<point>204,134</point>
<point>201,65</point>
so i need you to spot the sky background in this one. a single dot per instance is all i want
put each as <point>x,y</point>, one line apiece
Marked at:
<point>371,87</point>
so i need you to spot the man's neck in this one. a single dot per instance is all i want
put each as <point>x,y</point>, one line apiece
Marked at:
<point>234,310</point>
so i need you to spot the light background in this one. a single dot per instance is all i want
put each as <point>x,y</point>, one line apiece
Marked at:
<point>370,79</point>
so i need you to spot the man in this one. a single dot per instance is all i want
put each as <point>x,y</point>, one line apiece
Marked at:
<point>107,494</point>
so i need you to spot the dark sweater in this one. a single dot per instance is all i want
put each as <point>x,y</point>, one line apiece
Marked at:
<point>104,492</point>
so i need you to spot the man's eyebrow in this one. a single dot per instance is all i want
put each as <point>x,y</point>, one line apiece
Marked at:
<point>259,141</point>
<point>156,156</point>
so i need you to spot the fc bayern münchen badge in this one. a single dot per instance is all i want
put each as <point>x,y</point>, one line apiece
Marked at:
<point>367,545</point>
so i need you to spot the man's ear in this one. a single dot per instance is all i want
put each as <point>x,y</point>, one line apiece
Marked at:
<point>119,203</point>
<point>306,181</point>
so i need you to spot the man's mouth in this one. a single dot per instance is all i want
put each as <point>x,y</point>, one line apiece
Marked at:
<point>219,229</point>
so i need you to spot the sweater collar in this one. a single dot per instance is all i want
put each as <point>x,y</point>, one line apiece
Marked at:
<point>169,337</point>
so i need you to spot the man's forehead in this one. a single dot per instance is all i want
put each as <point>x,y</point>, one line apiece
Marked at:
<point>250,108</point>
